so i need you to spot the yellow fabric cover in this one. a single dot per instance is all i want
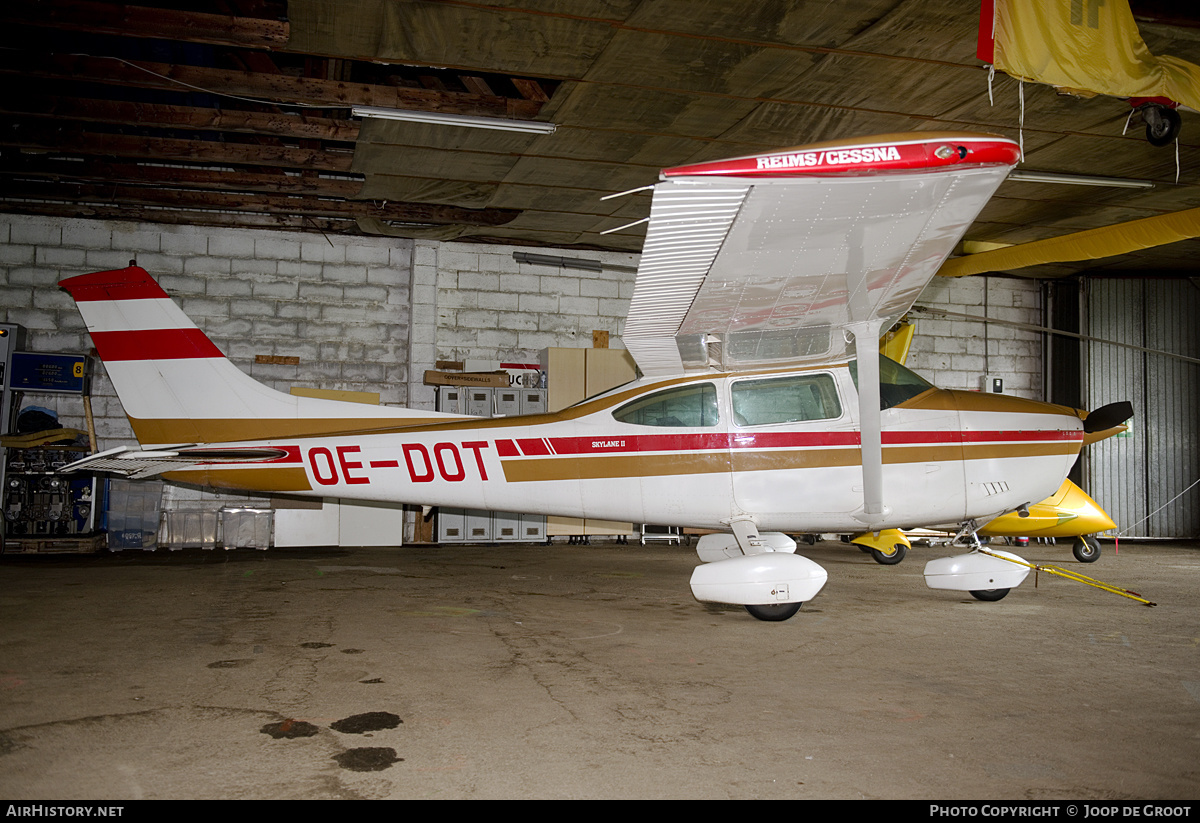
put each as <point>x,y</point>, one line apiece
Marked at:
<point>1088,46</point>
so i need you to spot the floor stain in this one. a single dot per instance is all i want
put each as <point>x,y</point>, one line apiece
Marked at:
<point>289,729</point>
<point>367,759</point>
<point>315,645</point>
<point>372,680</point>
<point>229,664</point>
<point>353,651</point>
<point>367,722</point>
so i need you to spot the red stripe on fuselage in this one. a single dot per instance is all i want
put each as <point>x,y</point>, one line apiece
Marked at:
<point>154,344</point>
<point>777,440</point>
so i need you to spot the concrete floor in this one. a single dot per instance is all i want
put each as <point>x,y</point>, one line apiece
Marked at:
<point>588,672</point>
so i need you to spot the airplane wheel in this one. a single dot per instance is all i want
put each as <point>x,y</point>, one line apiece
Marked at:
<point>1162,124</point>
<point>890,559</point>
<point>774,612</point>
<point>1086,549</point>
<point>989,595</point>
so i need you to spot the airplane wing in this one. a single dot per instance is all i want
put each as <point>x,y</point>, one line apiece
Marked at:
<point>778,258</point>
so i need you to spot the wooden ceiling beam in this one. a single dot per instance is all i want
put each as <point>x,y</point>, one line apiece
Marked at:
<point>272,88</point>
<point>167,149</point>
<point>157,115</point>
<point>140,21</point>
<point>184,217</point>
<point>109,194</point>
<point>96,170</point>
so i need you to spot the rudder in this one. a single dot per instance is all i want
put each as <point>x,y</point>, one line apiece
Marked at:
<point>177,387</point>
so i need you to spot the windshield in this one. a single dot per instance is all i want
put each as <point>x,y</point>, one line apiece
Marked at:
<point>896,383</point>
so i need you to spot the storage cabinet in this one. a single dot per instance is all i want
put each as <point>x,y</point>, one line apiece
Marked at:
<point>573,375</point>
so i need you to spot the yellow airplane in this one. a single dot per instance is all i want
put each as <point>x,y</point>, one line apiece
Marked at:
<point>764,407</point>
<point>1068,513</point>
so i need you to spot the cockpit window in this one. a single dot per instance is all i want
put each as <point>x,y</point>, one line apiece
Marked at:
<point>785,400</point>
<point>896,383</point>
<point>694,405</point>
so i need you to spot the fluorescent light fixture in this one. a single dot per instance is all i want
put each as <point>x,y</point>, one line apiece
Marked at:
<point>568,262</point>
<point>439,119</point>
<point>1079,179</point>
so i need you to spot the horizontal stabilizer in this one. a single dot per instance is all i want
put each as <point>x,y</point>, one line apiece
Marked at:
<point>131,463</point>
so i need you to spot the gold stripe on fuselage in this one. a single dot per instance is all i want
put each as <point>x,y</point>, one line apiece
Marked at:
<point>266,479</point>
<point>576,467</point>
<point>232,430</point>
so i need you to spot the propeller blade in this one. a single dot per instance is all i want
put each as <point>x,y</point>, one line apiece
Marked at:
<point>1106,417</point>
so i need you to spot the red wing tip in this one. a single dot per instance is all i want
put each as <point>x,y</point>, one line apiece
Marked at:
<point>128,283</point>
<point>872,155</point>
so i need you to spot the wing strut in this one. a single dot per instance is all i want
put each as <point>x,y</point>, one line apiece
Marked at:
<point>866,349</point>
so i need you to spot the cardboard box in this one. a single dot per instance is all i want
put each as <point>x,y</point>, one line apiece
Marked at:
<point>438,378</point>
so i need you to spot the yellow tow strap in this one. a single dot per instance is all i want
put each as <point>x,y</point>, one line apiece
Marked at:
<point>1070,575</point>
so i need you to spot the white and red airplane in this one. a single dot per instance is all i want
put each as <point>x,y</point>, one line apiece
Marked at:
<point>764,407</point>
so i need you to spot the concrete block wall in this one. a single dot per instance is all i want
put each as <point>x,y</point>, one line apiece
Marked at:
<point>479,303</point>
<point>955,353</point>
<point>475,302</point>
<point>340,305</point>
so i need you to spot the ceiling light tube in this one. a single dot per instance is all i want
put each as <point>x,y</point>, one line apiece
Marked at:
<point>1079,179</point>
<point>439,119</point>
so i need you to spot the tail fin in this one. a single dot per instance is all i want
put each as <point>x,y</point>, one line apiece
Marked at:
<point>178,388</point>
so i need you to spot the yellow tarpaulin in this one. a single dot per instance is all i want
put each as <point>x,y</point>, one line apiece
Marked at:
<point>1089,46</point>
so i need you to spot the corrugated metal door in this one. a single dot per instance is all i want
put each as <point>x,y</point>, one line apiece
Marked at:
<point>1136,476</point>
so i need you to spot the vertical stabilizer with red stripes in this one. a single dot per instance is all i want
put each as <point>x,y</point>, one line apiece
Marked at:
<point>177,387</point>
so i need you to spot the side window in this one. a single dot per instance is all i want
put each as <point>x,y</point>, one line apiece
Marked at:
<point>685,406</point>
<point>785,400</point>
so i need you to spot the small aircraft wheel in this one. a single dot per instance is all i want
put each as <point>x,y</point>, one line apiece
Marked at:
<point>1086,549</point>
<point>890,559</point>
<point>989,595</point>
<point>774,612</point>
<point>1162,124</point>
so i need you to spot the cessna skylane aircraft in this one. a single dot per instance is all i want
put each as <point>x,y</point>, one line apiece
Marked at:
<point>764,407</point>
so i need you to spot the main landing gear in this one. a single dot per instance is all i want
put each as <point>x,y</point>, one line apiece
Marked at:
<point>760,571</point>
<point>887,547</point>
<point>988,577</point>
<point>1086,549</point>
<point>775,612</point>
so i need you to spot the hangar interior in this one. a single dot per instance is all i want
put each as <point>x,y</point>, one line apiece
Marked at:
<point>218,146</point>
<point>216,142</point>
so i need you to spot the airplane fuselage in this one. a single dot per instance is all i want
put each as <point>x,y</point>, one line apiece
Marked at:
<point>779,446</point>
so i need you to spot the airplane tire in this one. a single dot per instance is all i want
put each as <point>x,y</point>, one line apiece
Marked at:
<point>1162,126</point>
<point>1086,549</point>
<point>989,595</point>
<point>892,559</point>
<point>774,612</point>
